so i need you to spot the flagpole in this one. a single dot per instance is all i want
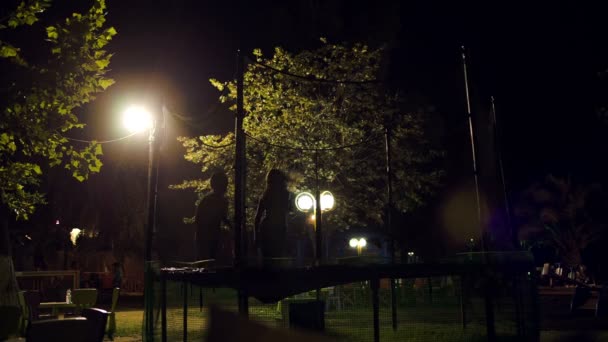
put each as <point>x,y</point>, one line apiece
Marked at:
<point>474,151</point>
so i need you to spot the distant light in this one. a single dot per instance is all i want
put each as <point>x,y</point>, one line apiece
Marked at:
<point>305,201</point>
<point>312,218</point>
<point>74,235</point>
<point>137,119</point>
<point>57,222</point>
<point>327,201</point>
<point>28,237</point>
<point>357,243</point>
<point>410,253</point>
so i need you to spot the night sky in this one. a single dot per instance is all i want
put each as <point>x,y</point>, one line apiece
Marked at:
<point>541,63</point>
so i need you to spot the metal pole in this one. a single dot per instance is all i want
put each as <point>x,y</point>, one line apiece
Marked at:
<point>389,191</point>
<point>489,307</point>
<point>374,283</point>
<point>243,302</point>
<point>185,313</point>
<point>152,188</point>
<point>463,313</point>
<point>473,138</point>
<point>163,316</point>
<point>389,219</point>
<point>149,230</point>
<point>239,180</point>
<point>318,216</point>
<point>239,177</point>
<point>501,170</point>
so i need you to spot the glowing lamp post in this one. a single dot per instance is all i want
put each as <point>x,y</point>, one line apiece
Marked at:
<point>138,119</point>
<point>306,202</point>
<point>359,244</point>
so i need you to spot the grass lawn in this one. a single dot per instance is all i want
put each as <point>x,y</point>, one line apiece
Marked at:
<point>345,327</point>
<point>435,322</point>
<point>129,323</point>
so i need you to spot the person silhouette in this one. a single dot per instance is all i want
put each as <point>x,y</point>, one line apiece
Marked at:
<point>271,216</point>
<point>211,212</point>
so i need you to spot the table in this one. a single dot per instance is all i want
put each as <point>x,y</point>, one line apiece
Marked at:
<point>55,306</point>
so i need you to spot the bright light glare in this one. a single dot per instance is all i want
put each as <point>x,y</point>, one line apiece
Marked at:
<point>305,201</point>
<point>354,242</point>
<point>327,201</point>
<point>74,235</point>
<point>137,119</point>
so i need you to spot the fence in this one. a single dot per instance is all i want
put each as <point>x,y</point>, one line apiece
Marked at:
<point>456,301</point>
<point>51,284</point>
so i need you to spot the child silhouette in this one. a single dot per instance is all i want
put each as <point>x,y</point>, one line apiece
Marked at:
<point>211,212</point>
<point>271,217</point>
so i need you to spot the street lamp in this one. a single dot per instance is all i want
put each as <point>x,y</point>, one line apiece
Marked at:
<point>327,201</point>
<point>306,202</point>
<point>359,244</point>
<point>138,119</point>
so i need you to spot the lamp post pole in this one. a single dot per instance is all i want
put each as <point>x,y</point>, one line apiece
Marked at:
<point>153,149</point>
<point>150,228</point>
<point>318,216</point>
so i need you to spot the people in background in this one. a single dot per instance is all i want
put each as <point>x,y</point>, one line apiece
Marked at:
<point>117,273</point>
<point>210,214</point>
<point>271,216</point>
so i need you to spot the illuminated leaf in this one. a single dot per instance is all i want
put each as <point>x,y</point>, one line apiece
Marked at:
<point>106,82</point>
<point>56,87</point>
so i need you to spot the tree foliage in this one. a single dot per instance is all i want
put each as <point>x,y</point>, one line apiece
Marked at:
<point>320,116</point>
<point>43,89</point>
<point>566,216</point>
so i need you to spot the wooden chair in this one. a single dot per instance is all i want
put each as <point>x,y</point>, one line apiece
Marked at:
<point>84,298</point>
<point>73,329</point>
<point>9,324</point>
<point>97,320</point>
<point>112,320</point>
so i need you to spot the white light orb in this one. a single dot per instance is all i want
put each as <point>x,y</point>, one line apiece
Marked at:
<point>137,119</point>
<point>305,201</point>
<point>74,235</point>
<point>327,201</point>
<point>353,242</point>
<point>362,242</point>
